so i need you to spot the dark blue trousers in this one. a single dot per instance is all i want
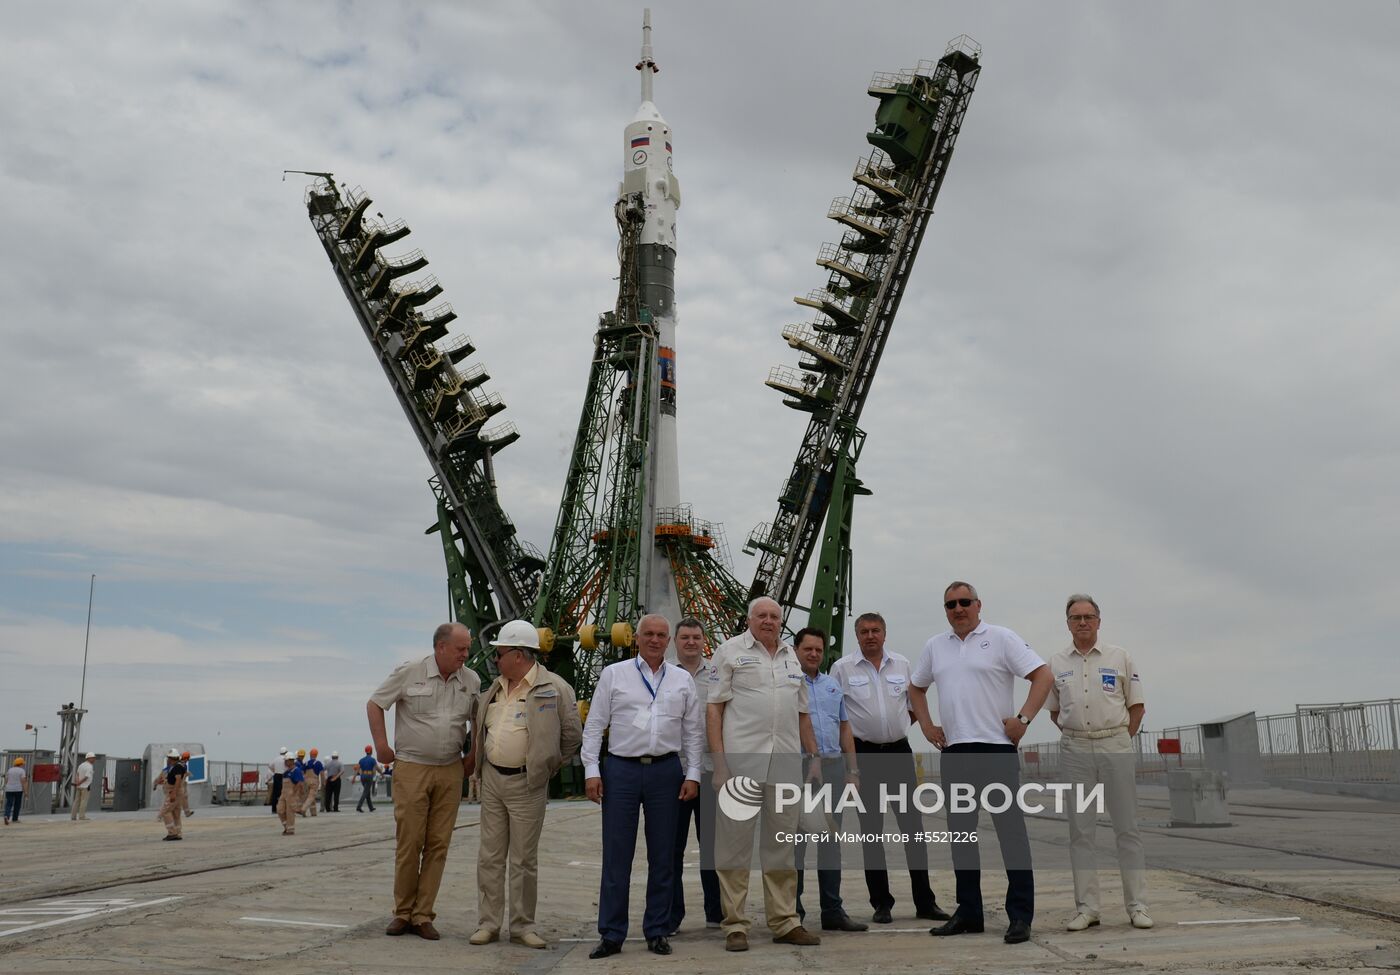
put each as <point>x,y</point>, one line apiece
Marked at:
<point>629,787</point>
<point>709,880</point>
<point>979,764</point>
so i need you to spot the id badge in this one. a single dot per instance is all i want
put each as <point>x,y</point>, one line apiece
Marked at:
<point>643,718</point>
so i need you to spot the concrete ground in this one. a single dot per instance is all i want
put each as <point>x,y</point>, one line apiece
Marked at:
<point>109,896</point>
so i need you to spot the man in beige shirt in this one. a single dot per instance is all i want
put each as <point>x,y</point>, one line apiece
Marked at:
<point>758,729</point>
<point>528,727</point>
<point>433,701</point>
<point>1097,704</point>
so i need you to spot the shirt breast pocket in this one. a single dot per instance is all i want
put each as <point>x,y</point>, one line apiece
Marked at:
<point>419,698</point>
<point>860,688</point>
<point>672,705</point>
<point>746,677</point>
<point>1111,685</point>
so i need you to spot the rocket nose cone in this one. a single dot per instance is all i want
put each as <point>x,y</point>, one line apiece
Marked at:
<point>647,112</point>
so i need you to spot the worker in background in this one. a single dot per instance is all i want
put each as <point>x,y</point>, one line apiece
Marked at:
<point>293,782</point>
<point>369,768</point>
<point>276,767</point>
<point>170,780</point>
<point>82,789</point>
<point>185,786</point>
<point>529,726</point>
<point>16,787</point>
<point>1097,704</point>
<point>305,770</point>
<point>314,781</point>
<point>331,801</point>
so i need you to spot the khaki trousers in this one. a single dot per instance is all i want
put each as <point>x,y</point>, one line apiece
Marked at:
<point>170,811</point>
<point>426,800</point>
<point>511,819</point>
<point>734,846</point>
<point>1110,762</point>
<point>80,801</point>
<point>287,805</point>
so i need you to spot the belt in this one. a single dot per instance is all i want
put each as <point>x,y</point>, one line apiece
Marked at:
<point>644,759</point>
<point>902,745</point>
<point>1104,733</point>
<point>507,771</point>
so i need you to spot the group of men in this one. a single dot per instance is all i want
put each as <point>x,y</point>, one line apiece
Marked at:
<point>663,741</point>
<point>298,779</point>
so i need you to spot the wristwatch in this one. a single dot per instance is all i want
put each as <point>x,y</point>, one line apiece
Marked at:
<point>1022,718</point>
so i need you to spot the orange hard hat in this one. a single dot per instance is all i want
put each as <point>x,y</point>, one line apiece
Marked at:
<point>184,754</point>
<point>314,753</point>
<point>19,761</point>
<point>369,749</point>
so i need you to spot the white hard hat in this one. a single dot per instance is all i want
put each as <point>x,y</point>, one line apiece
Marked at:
<point>90,755</point>
<point>173,753</point>
<point>282,750</point>
<point>518,633</point>
<point>289,757</point>
<point>335,754</point>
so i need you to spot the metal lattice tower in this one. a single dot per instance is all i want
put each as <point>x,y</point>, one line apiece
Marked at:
<point>70,730</point>
<point>883,222</point>
<point>493,575</point>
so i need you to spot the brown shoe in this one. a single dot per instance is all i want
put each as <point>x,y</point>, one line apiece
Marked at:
<point>427,932</point>
<point>736,941</point>
<point>798,936</point>
<point>397,927</point>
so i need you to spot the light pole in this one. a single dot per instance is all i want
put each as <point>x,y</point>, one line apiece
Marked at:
<point>33,761</point>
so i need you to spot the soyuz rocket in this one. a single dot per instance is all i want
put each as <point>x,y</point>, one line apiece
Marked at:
<point>647,170</point>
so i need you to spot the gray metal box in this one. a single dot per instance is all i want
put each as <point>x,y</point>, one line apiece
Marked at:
<point>1198,797</point>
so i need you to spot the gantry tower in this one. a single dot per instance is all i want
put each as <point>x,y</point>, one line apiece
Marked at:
<point>492,574</point>
<point>917,122</point>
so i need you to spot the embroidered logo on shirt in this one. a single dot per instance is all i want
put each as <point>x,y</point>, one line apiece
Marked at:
<point>1110,682</point>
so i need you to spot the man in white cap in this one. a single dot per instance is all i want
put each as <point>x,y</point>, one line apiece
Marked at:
<point>277,766</point>
<point>170,779</point>
<point>529,727</point>
<point>82,789</point>
<point>334,768</point>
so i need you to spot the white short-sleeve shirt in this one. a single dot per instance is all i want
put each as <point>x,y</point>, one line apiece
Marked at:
<point>976,680</point>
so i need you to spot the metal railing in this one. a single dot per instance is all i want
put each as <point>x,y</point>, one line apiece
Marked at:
<point>1357,741</point>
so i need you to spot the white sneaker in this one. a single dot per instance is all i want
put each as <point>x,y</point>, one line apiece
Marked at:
<point>1140,919</point>
<point>1082,922</point>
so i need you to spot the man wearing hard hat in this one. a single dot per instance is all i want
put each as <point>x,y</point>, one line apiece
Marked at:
<point>170,779</point>
<point>529,726</point>
<point>82,788</point>
<point>16,785</point>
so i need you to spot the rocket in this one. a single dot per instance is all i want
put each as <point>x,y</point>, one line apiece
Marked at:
<point>647,169</point>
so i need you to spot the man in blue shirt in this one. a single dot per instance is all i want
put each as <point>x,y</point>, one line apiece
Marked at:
<point>836,751</point>
<point>368,768</point>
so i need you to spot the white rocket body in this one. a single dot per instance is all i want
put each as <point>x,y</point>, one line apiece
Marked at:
<point>647,170</point>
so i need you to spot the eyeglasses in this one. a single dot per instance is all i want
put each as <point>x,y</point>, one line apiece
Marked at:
<point>502,651</point>
<point>1083,618</point>
<point>963,602</point>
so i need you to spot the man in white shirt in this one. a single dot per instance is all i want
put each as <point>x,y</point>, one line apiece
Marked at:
<point>690,655</point>
<point>277,767</point>
<point>82,789</point>
<point>758,728</point>
<point>875,683</point>
<point>651,712</point>
<point>975,666</point>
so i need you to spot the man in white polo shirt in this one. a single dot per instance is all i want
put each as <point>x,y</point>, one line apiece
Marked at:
<point>875,683</point>
<point>975,666</point>
<point>1097,704</point>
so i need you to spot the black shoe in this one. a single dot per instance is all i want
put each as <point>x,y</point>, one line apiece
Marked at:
<point>956,925</point>
<point>605,948</point>
<point>659,945</point>
<point>935,913</point>
<point>843,923</point>
<point>1017,932</point>
<point>882,916</point>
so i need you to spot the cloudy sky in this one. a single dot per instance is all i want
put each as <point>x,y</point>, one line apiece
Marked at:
<point>1147,351</point>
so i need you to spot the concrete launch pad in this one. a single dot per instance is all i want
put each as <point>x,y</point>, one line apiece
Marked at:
<point>235,895</point>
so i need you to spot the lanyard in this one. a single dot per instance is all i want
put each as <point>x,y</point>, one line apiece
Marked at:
<point>659,681</point>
